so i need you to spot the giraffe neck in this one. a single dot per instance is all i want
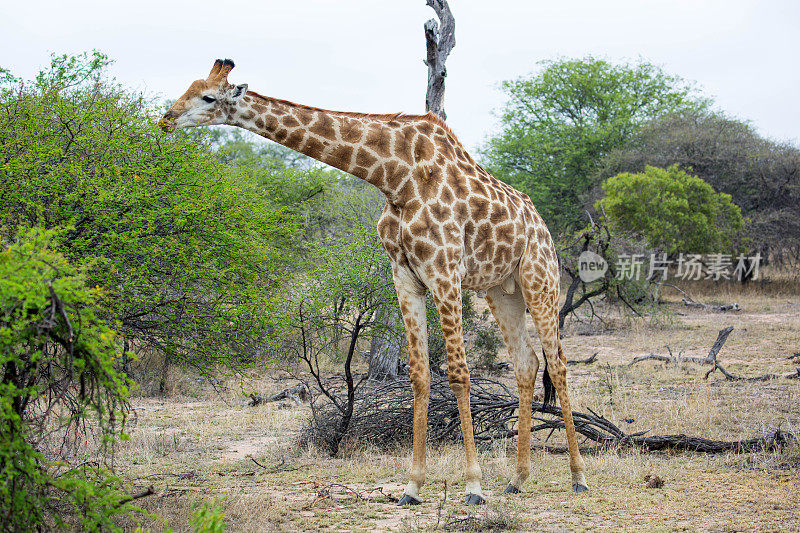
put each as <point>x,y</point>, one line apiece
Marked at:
<point>359,144</point>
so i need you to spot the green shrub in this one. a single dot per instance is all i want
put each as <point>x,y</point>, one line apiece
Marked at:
<point>674,211</point>
<point>208,517</point>
<point>59,388</point>
<point>187,247</point>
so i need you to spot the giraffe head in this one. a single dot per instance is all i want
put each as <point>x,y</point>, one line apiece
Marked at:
<point>206,102</point>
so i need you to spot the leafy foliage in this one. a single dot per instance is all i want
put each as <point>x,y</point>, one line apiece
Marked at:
<point>58,363</point>
<point>560,122</point>
<point>208,517</point>
<point>762,176</point>
<point>186,245</point>
<point>674,211</point>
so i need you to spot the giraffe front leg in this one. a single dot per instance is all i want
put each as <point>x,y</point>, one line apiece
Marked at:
<point>449,308</point>
<point>412,304</point>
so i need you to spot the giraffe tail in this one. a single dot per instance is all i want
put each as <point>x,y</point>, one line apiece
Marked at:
<point>549,389</point>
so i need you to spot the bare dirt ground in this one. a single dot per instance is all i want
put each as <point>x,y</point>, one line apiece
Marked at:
<point>199,445</point>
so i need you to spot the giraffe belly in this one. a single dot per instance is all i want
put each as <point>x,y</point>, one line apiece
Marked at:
<point>489,261</point>
<point>481,276</point>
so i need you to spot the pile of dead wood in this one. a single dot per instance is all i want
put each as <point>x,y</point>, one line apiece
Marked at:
<point>383,417</point>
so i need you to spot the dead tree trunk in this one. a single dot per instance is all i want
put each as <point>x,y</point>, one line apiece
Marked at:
<point>439,42</point>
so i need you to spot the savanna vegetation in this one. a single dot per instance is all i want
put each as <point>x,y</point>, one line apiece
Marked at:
<point>149,283</point>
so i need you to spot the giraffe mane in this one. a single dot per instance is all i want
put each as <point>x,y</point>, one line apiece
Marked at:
<point>402,117</point>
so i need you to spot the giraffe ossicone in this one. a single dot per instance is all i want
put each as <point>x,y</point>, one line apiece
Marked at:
<point>447,225</point>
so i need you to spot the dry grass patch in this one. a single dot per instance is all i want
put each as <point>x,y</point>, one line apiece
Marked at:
<point>196,446</point>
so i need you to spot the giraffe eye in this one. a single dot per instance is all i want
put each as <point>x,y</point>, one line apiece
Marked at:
<point>209,99</point>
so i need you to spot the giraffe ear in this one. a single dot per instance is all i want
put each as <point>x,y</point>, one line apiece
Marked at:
<point>238,91</point>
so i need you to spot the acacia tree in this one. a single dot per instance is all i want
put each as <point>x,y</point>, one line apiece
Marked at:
<point>558,124</point>
<point>187,248</point>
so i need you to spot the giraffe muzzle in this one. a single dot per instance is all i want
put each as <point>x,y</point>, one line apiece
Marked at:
<point>166,125</point>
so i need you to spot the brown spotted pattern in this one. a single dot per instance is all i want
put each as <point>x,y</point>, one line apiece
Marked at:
<point>448,225</point>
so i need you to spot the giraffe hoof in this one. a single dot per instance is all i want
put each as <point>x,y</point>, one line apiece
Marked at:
<point>408,500</point>
<point>511,489</point>
<point>577,487</point>
<point>474,499</point>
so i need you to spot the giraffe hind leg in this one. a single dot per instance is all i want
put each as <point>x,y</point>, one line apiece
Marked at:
<point>508,308</point>
<point>542,302</point>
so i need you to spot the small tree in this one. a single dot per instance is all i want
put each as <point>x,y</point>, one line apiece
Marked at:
<point>59,389</point>
<point>342,302</point>
<point>674,211</point>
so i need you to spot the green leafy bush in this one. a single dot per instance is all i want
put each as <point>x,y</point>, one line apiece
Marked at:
<point>188,247</point>
<point>760,174</point>
<point>674,211</point>
<point>59,388</point>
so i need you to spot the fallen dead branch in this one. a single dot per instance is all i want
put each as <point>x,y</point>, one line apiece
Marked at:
<point>711,359</point>
<point>298,394</point>
<point>383,417</point>
<point>187,475</point>
<point>765,377</point>
<point>688,302</point>
<point>707,360</point>
<point>149,491</point>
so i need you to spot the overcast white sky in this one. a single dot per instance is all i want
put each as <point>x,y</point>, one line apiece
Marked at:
<point>366,55</point>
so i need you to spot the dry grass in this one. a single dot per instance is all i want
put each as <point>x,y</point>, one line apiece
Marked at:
<point>195,446</point>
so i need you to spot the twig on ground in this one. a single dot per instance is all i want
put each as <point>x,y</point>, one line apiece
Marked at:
<point>587,361</point>
<point>470,523</point>
<point>187,475</point>
<point>688,302</point>
<point>149,491</point>
<point>326,492</point>
<point>441,504</point>
<point>277,468</point>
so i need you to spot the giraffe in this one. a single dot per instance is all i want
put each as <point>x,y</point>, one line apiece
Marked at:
<point>448,225</point>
